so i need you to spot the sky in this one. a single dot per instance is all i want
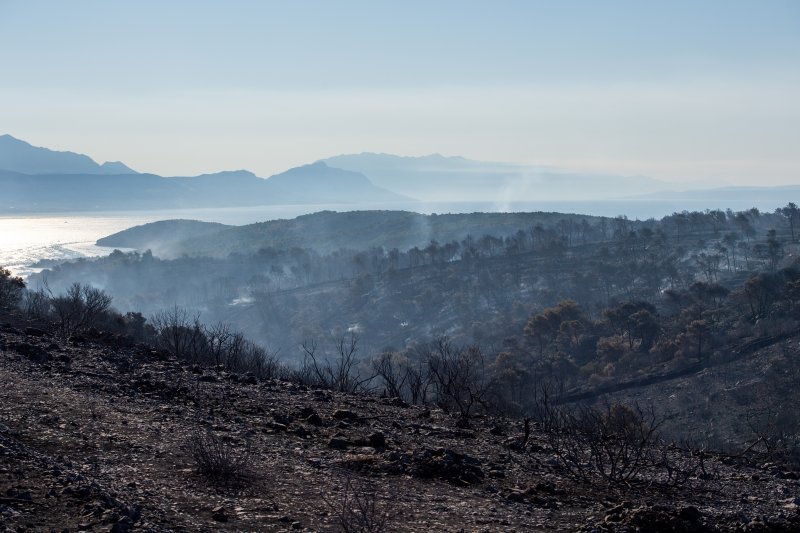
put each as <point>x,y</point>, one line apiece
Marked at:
<point>680,91</point>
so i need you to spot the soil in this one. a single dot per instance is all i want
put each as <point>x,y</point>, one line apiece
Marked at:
<point>96,434</point>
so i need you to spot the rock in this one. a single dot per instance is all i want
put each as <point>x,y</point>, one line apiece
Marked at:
<point>24,495</point>
<point>445,464</point>
<point>553,460</point>
<point>297,525</point>
<point>516,495</point>
<point>123,525</point>
<point>219,514</point>
<point>321,396</point>
<point>338,443</point>
<point>34,332</point>
<point>282,418</point>
<point>314,419</point>
<point>463,423</point>
<point>690,514</point>
<point>377,440</point>
<point>344,414</point>
<point>35,353</point>
<point>497,431</point>
<point>395,402</point>
<point>548,487</point>
<point>307,411</point>
<point>76,340</point>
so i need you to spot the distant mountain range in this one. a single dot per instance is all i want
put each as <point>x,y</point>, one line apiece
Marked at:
<point>24,158</point>
<point>433,177</point>
<point>34,179</point>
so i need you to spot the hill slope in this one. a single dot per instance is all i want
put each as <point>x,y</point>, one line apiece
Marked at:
<point>100,435</point>
<point>160,234</point>
<point>326,231</point>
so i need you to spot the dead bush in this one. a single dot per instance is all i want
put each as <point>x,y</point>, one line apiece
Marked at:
<point>360,509</point>
<point>221,462</point>
<point>614,443</point>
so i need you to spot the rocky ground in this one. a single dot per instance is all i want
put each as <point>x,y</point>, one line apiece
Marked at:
<point>100,435</point>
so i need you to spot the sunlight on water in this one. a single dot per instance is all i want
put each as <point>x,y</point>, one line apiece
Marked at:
<point>25,240</point>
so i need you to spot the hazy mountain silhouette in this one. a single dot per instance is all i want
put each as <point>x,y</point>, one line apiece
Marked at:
<point>433,177</point>
<point>323,183</point>
<point>19,156</point>
<point>38,179</point>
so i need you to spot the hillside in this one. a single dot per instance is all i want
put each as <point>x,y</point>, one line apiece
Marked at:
<point>736,397</point>
<point>326,231</point>
<point>160,235</point>
<point>98,434</point>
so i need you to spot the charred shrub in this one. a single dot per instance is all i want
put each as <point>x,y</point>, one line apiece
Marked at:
<point>222,463</point>
<point>360,509</point>
<point>614,443</point>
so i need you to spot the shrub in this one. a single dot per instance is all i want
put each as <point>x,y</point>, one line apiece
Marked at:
<point>615,442</point>
<point>220,462</point>
<point>360,509</point>
<point>180,333</point>
<point>459,375</point>
<point>339,373</point>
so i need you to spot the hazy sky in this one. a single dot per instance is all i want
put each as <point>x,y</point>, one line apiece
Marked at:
<point>681,90</point>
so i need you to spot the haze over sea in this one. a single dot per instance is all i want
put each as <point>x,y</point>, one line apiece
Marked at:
<point>27,239</point>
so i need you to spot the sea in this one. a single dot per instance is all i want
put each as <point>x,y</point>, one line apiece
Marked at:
<point>30,242</point>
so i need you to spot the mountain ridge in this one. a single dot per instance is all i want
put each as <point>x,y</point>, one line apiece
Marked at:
<point>21,156</point>
<point>40,180</point>
<point>37,179</point>
<point>432,176</point>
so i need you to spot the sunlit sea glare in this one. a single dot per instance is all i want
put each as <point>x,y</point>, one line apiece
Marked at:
<point>27,239</point>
